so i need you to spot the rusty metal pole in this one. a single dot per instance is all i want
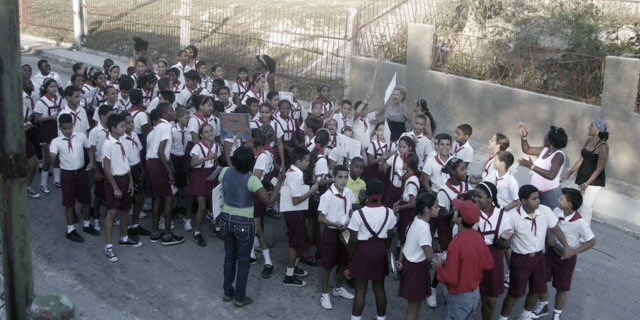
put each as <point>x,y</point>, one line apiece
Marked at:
<point>14,210</point>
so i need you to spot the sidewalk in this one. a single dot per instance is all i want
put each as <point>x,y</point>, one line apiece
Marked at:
<point>618,204</point>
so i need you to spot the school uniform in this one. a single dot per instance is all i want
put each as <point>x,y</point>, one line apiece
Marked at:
<point>393,181</point>
<point>140,118</point>
<point>182,99</point>
<point>296,229</point>
<point>296,112</point>
<point>38,80</point>
<point>206,83</point>
<point>115,84</point>
<point>528,263</point>
<point>48,106</point>
<point>256,124</point>
<point>196,121</point>
<point>336,156</point>
<point>377,149</point>
<point>415,279</point>
<point>253,93</point>
<point>336,207</point>
<point>89,93</point>
<point>320,172</point>
<point>362,130</point>
<point>488,171</point>
<point>464,152</point>
<point>264,162</point>
<point>491,226</point>
<point>156,175</point>
<point>135,79</point>
<point>114,150</point>
<point>240,87</point>
<point>373,224</point>
<point>446,195</point>
<point>285,129</point>
<point>147,96</point>
<point>183,70</point>
<point>575,229</point>
<point>99,99</point>
<point>27,116</point>
<point>424,146</point>
<point>507,187</point>
<point>333,142</point>
<point>433,167</point>
<point>181,138</point>
<point>79,118</point>
<point>97,136</point>
<point>410,187</point>
<point>73,177</point>
<point>177,87</point>
<point>230,107</point>
<point>133,147</point>
<point>198,185</point>
<point>342,121</point>
<point>326,105</point>
<point>122,104</point>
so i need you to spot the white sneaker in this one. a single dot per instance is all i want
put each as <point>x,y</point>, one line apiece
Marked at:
<point>187,225</point>
<point>432,302</point>
<point>506,281</point>
<point>556,316</point>
<point>147,206</point>
<point>142,215</point>
<point>96,225</point>
<point>210,216</point>
<point>161,224</point>
<point>526,315</point>
<point>325,302</point>
<point>116,222</point>
<point>540,310</point>
<point>343,293</point>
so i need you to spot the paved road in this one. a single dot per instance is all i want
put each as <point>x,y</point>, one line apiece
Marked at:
<point>184,281</point>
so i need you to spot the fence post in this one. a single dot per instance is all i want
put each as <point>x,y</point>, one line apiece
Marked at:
<point>185,23</point>
<point>620,86</point>
<point>85,24</point>
<point>352,35</point>
<point>14,211</point>
<point>77,23</point>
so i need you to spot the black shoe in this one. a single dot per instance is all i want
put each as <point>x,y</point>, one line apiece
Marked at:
<point>171,239</point>
<point>140,231</point>
<point>298,272</point>
<point>239,304</point>
<point>132,235</point>
<point>199,240</point>
<point>91,230</point>
<point>310,261</point>
<point>253,261</point>
<point>216,233</point>
<point>74,236</point>
<point>267,271</point>
<point>293,281</point>
<point>273,214</point>
<point>155,236</point>
<point>130,243</point>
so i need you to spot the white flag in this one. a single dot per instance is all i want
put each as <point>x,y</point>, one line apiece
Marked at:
<point>387,133</point>
<point>390,87</point>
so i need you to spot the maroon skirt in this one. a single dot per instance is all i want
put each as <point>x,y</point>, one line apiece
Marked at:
<point>157,179</point>
<point>415,281</point>
<point>198,184</point>
<point>391,194</point>
<point>29,151</point>
<point>369,261</point>
<point>181,167</point>
<point>404,218</point>
<point>445,232</point>
<point>47,131</point>
<point>333,251</point>
<point>492,284</point>
<point>372,172</point>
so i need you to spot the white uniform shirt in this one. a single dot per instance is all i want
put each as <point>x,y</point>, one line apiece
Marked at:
<point>230,107</point>
<point>378,148</point>
<point>186,94</point>
<point>321,170</point>
<point>449,192</point>
<point>264,162</point>
<point>342,121</point>
<point>38,80</point>
<point>28,103</point>
<point>464,152</point>
<point>433,167</point>
<point>411,187</point>
<point>79,118</point>
<point>70,150</point>
<point>240,87</point>
<point>202,150</point>
<point>161,132</point>
<point>488,171</point>
<point>424,146</point>
<point>335,206</point>
<point>140,119</point>
<point>181,137</point>
<point>148,95</point>
<point>48,107</point>
<point>133,147</point>
<point>362,130</point>
<point>418,236</point>
<point>97,136</point>
<point>294,179</point>
<point>574,228</point>
<point>395,175</point>
<point>529,236</point>
<point>284,128</point>
<point>122,104</point>
<point>488,224</point>
<point>182,69</point>
<point>114,150</point>
<point>375,217</point>
<point>196,122</point>
<point>507,187</point>
<point>261,96</point>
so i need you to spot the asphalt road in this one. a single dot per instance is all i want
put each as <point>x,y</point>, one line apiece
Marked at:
<point>184,281</point>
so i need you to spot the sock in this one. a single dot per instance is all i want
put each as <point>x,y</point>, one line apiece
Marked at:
<point>195,233</point>
<point>544,302</point>
<point>267,257</point>
<point>253,253</point>
<point>355,317</point>
<point>56,175</point>
<point>325,295</point>
<point>381,317</point>
<point>289,272</point>
<point>133,226</point>
<point>503,318</point>
<point>557,311</point>
<point>296,264</point>
<point>124,239</point>
<point>256,243</point>
<point>187,220</point>
<point>107,246</point>
<point>86,223</point>
<point>217,228</point>
<point>40,162</point>
<point>526,314</point>
<point>70,228</point>
<point>96,222</point>
<point>44,176</point>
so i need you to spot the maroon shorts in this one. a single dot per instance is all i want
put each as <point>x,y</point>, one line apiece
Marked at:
<point>157,179</point>
<point>199,186</point>
<point>47,132</point>
<point>369,261</point>
<point>29,151</point>
<point>123,203</point>
<point>98,187</point>
<point>445,232</point>
<point>137,175</point>
<point>314,202</point>
<point>391,194</point>
<point>492,284</point>
<point>561,271</point>
<point>415,281</point>
<point>75,186</point>
<point>296,229</point>
<point>333,251</point>
<point>527,270</point>
<point>404,218</point>
<point>181,167</point>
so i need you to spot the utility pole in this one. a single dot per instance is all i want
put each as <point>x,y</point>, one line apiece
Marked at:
<point>14,210</point>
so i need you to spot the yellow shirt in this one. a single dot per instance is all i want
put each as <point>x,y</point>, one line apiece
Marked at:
<point>356,186</point>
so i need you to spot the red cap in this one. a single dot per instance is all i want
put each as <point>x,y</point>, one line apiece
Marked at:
<point>469,211</point>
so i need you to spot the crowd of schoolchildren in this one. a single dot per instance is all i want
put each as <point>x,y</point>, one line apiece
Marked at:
<point>151,138</point>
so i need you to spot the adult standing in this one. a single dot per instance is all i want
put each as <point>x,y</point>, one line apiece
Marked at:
<point>140,47</point>
<point>267,66</point>
<point>590,167</point>
<point>238,227</point>
<point>397,113</point>
<point>545,170</point>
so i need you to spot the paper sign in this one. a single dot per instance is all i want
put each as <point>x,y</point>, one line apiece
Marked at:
<point>390,87</point>
<point>387,132</point>
<point>235,125</point>
<point>286,202</point>
<point>284,95</point>
<point>348,146</point>
<point>217,200</point>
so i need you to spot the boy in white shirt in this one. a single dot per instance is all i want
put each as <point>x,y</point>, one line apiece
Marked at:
<point>432,176</point>
<point>343,118</point>
<point>504,181</point>
<point>461,148</point>
<point>123,103</point>
<point>191,88</point>
<point>140,118</point>
<point>97,136</point>
<point>70,147</point>
<point>181,138</point>
<point>424,146</point>
<point>334,209</point>
<point>72,108</point>
<point>133,147</point>
<point>182,65</point>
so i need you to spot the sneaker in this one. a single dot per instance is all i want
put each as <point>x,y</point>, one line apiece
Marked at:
<point>91,230</point>
<point>526,315</point>
<point>199,240</point>
<point>171,239</point>
<point>342,293</point>
<point>96,225</point>
<point>187,225</point>
<point>432,302</point>
<point>57,185</point>
<point>216,233</point>
<point>155,236</point>
<point>540,310</point>
<point>253,261</point>
<point>142,215</point>
<point>325,302</point>
<point>227,298</point>
<point>293,281</point>
<point>299,272</point>
<point>506,281</point>
<point>130,243</point>
<point>210,216</point>
<point>32,194</point>
<point>267,271</point>
<point>111,256</point>
<point>161,224</point>
<point>116,221</point>
<point>140,231</point>
<point>556,316</point>
<point>74,236</point>
<point>239,304</point>
<point>45,190</point>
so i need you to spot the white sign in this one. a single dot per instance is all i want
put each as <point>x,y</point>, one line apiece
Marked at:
<point>390,87</point>
<point>217,200</point>
<point>348,146</point>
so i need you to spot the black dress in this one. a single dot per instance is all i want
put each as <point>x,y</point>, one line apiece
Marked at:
<point>588,166</point>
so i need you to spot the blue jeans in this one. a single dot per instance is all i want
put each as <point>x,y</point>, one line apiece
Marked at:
<point>462,305</point>
<point>550,198</point>
<point>238,233</point>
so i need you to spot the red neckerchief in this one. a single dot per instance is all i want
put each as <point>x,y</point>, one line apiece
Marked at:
<point>228,106</point>
<point>288,130</point>
<point>498,179</point>
<point>318,147</point>
<point>242,85</point>
<point>378,150</point>
<point>69,143</point>
<point>192,91</point>
<point>576,216</point>
<point>134,109</point>
<point>456,150</point>
<point>176,87</point>
<point>123,104</point>
<point>366,125</point>
<point>258,95</point>
<point>75,115</point>
<point>182,135</point>
<point>54,100</point>
<point>261,149</point>
<point>124,154</point>
<point>146,96</point>
<point>201,118</point>
<point>440,162</point>
<point>486,168</point>
<point>133,141</point>
<point>106,133</point>
<point>460,193</point>
<point>373,204</point>
<point>340,196</point>
<point>334,141</point>
<point>487,219</point>
<point>204,143</point>
<point>344,120</point>
<point>534,226</point>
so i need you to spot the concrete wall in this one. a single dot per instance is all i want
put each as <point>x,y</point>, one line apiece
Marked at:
<point>490,107</point>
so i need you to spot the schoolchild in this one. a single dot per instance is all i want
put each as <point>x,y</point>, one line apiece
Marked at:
<point>461,149</point>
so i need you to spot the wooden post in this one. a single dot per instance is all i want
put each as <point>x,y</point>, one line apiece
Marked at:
<point>77,23</point>
<point>14,211</point>
<point>185,23</point>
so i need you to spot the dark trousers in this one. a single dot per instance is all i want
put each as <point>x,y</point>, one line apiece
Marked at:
<point>237,233</point>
